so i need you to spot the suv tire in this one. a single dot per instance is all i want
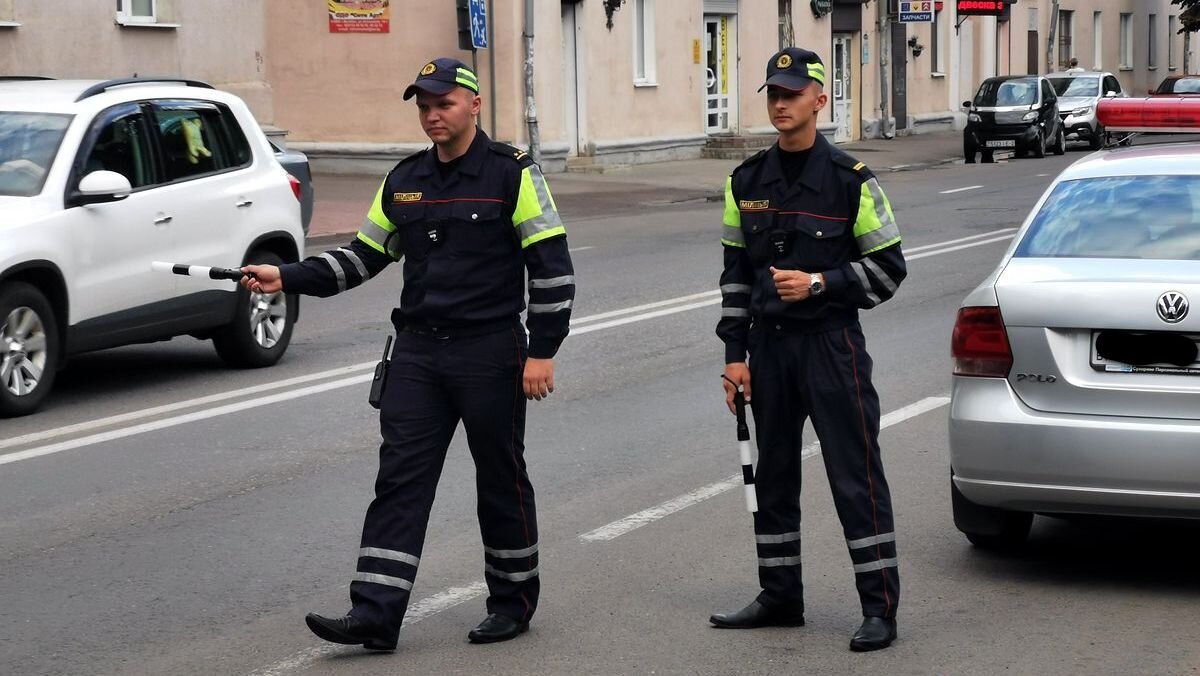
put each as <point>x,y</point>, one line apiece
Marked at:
<point>262,324</point>
<point>29,349</point>
<point>989,528</point>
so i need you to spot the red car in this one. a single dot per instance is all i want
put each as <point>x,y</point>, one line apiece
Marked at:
<point>1178,85</point>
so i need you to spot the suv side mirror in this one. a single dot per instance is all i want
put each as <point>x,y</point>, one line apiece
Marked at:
<point>101,186</point>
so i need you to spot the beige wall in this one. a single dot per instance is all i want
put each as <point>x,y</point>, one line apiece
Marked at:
<point>219,41</point>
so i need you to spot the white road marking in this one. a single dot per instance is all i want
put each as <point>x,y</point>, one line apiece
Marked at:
<point>579,248</point>
<point>634,521</point>
<point>957,248</point>
<point>939,245</point>
<point>951,192</point>
<point>443,600</point>
<point>648,306</point>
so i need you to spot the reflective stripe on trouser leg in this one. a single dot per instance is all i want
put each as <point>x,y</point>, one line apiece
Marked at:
<point>417,420</point>
<point>845,413</point>
<point>487,387</point>
<point>778,421</point>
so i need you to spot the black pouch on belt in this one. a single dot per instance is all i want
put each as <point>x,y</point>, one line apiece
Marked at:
<point>380,379</point>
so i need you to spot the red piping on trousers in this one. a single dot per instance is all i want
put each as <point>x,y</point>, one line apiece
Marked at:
<point>512,448</point>
<point>870,482</point>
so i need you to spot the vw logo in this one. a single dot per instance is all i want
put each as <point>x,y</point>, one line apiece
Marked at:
<point>1172,307</point>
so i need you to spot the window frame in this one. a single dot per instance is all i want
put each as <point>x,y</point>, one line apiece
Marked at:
<point>1152,42</point>
<point>98,123</point>
<point>1125,54</point>
<point>1066,37</point>
<point>936,55</point>
<point>1172,26</point>
<point>645,71</point>
<point>1097,39</point>
<point>125,13</point>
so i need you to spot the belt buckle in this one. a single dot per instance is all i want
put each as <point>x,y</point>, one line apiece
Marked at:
<point>438,333</point>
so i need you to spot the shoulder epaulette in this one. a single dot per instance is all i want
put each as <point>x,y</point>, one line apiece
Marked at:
<point>751,161</point>
<point>846,162</point>
<point>512,152</point>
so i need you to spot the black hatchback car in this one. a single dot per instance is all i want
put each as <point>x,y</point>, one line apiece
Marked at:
<point>1013,112</point>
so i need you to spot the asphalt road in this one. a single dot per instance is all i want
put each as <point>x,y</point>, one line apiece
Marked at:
<point>165,515</point>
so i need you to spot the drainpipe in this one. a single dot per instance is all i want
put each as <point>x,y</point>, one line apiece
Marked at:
<point>787,37</point>
<point>1050,41</point>
<point>884,43</point>
<point>535,144</point>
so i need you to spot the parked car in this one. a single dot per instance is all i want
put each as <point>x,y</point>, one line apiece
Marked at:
<point>1078,94</point>
<point>1013,112</point>
<point>100,179</point>
<point>1076,370</point>
<point>1178,85</point>
<point>296,164</point>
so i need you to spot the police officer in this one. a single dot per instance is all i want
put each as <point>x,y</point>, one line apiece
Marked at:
<point>809,239</point>
<point>469,216</point>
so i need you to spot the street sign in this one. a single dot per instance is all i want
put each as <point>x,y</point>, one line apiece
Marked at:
<point>478,12</point>
<point>916,11</point>
<point>981,7</point>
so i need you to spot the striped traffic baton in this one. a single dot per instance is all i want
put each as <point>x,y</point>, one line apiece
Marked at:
<point>200,271</point>
<point>743,435</point>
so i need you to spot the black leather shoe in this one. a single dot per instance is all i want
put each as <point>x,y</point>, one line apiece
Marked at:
<point>876,633</point>
<point>350,630</point>
<point>496,628</point>
<point>757,615</point>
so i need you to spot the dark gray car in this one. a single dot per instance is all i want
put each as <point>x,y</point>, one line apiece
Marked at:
<point>296,164</point>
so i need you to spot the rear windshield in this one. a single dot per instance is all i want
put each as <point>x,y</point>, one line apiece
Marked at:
<point>1155,217</point>
<point>1186,85</point>
<point>28,144</point>
<point>1076,86</point>
<point>994,93</point>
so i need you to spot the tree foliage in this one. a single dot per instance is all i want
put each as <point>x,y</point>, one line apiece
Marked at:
<point>611,6</point>
<point>1189,18</point>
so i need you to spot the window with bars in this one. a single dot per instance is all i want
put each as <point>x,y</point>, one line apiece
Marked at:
<point>1066,30</point>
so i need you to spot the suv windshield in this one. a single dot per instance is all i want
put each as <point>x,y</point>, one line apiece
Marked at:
<point>993,93</point>
<point>1156,217</point>
<point>1076,86</point>
<point>28,143</point>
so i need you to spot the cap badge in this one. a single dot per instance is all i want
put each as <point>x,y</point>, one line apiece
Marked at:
<point>428,69</point>
<point>784,61</point>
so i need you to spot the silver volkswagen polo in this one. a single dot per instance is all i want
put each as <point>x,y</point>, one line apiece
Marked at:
<point>1076,385</point>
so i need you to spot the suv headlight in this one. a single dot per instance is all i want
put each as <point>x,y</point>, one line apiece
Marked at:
<point>1030,116</point>
<point>1079,112</point>
<point>974,117</point>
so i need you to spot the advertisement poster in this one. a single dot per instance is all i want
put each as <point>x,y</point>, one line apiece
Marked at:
<point>359,16</point>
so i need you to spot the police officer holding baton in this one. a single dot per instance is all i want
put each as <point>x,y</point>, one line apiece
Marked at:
<point>809,240</point>
<point>469,216</point>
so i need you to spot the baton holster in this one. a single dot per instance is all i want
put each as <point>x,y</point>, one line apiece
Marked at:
<point>379,381</point>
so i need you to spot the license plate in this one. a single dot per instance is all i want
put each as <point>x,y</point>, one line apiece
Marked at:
<point>1100,363</point>
<point>1001,144</point>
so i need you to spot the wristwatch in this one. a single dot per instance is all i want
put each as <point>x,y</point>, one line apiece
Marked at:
<point>816,284</point>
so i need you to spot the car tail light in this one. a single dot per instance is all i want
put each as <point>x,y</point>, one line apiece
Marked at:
<point>295,182</point>
<point>979,344</point>
<point>1158,114</point>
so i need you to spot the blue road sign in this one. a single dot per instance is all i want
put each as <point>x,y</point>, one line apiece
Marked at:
<point>916,11</point>
<point>478,13</point>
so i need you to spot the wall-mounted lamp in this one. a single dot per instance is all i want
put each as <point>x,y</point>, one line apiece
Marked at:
<point>916,47</point>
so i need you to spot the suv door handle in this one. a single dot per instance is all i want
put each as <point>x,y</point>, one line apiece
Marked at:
<point>162,220</point>
<point>244,203</point>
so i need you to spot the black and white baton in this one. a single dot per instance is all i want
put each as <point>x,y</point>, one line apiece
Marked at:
<point>200,271</point>
<point>743,435</point>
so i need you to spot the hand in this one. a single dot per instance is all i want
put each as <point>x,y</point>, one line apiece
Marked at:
<point>265,278</point>
<point>739,373</point>
<point>792,285</point>
<point>539,378</point>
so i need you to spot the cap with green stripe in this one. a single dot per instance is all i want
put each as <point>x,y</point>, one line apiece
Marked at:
<point>441,76</point>
<point>794,68</point>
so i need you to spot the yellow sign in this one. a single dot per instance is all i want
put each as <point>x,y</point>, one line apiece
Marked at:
<point>359,16</point>
<point>406,197</point>
<point>724,55</point>
<point>696,52</point>
<point>783,62</point>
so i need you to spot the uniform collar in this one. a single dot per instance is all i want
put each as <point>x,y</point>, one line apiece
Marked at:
<point>471,163</point>
<point>814,170</point>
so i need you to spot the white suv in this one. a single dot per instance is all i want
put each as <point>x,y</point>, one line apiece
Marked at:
<point>100,179</point>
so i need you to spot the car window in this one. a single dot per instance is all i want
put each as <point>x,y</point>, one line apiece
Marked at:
<point>1047,92</point>
<point>1076,86</point>
<point>1006,93</point>
<point>1154,217</point>
<point>1187,85</point>
<point>1111,84</point>
<point>28,144</point>
<point>122,145</point>
<point>190,140</point>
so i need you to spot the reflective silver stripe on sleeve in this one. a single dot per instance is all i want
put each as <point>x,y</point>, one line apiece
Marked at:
<point>338,272</point>
<point>357,263</point>
<point>861,271</point>
<point>735,288</point>
<point>882,276</point>
<point>733,235</point>
<point>515,577</point>
<point>873,540</point>
<point>551,282</point>
<point>875,565</point>
<point>511,553</point>
<point>377,553</point>
<point>777,539</point>
<point>734,312</point>
<point>779,561</point>
<point>373,231</point>
<point>387,580</point>
<point>877,237</point>
<point>544,308</point>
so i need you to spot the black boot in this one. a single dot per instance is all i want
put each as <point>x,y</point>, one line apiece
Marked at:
<point>757,615</point>
<point>350,630</point>
<point>876,633</point>
<point>496,628</point>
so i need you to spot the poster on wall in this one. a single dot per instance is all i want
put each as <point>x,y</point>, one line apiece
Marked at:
<point>359,16</point>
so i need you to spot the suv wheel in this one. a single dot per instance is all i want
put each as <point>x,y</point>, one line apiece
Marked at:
<point>262,324</point>
<point>29,349</point>
<point>989,527</point>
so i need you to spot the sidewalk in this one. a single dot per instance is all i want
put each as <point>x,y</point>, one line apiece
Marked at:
<point>342,201</point>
